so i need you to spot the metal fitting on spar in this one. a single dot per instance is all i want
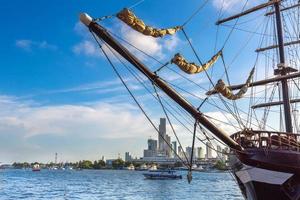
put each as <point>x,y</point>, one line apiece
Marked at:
<point>85,19</point>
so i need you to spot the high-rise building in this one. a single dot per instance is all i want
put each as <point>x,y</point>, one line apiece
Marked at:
<point>188,151</point>
<point>168,146</point>
<point>162,134</point>
<point>209,150</point>
<point>180,152</point>
<point>200,153</point>
<point>174,146</point>
<point>164,141</point>
<point>152,144</point>
<point>127,157</point>
<point>152,148</point>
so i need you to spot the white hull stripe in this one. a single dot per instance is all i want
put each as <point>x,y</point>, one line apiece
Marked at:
<point>248,174</point>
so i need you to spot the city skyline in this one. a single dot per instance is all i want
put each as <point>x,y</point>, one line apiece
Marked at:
<point>57,92</point>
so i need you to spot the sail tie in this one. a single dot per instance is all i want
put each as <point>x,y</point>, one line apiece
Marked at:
<point>137,24</point>
<point>223,89</point>
<point>192,68</point>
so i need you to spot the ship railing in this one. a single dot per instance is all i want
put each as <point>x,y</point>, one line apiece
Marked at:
<point>267,140</point>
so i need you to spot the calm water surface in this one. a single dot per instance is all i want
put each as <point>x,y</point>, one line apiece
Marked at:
<point>107,184</point>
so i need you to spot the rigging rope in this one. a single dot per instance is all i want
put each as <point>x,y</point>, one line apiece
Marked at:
<point>161,63</point>
<point>169,121</point>
<point>236,21</point>
<point>179,74</point>
<point>195,13</point>
<point>131,94</point>
<point>210,80</point>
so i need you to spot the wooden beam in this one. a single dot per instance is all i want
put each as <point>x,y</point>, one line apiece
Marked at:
<point>276,46</point>
<point>283,9</point>
<point>256,8</point>
<point>275,103</point>
<point>261,82</point>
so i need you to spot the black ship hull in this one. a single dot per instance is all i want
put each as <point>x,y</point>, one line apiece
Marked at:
<point>262,184</point>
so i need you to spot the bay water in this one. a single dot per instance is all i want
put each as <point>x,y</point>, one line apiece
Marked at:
<point>113,184</point>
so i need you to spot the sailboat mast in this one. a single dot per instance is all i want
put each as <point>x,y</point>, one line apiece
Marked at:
<point>125,53</point>
<point>282,70</point>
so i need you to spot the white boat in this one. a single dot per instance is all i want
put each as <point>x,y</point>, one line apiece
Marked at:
<point>162,175</point>
<point>143,167</point>
<point>153,167</point>
<point>199,169</point>
<point>131,167</point>
<point>36,168</point>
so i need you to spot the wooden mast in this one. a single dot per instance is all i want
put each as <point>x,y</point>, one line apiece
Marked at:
<point>283,71</point>
<point>109,40</point>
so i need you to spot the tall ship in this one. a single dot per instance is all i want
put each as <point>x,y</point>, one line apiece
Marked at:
<point>257,118</point>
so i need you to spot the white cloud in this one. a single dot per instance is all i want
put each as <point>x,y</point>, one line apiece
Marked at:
<point>92,120</point>
<point>87,48</point>
<point>226,4</point>
<point>24,122</point>
<point>30,45</point>
<point>24,44</point>
<point>233,5</point>
<point>156,47</point>
<point>223,121</point>
<point>172,42</point>
<point>149,45</point>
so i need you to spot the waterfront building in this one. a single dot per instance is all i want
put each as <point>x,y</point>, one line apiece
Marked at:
<point>152,148</point>
<point>164,140</point>
<point>152,144</point>
<point>128,157</point>
<point>188,151</point>
<point>200,153</point>
<point>181,152</point>
<point>149,153</point>
<point>162,134</point>
<point>209,147</point>
<point>174,146</point>
<point>109,162</point>
<point>168,148</point>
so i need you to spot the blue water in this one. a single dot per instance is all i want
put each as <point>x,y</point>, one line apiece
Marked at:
<point>109,184</point>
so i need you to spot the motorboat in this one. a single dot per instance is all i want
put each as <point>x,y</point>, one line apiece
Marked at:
<point>130,167</point>
<point>36,168</point>
<point>162,175</point>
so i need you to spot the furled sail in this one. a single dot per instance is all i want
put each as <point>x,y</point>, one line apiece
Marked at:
<point>137,24</point>
<point>221,88</point>
<point>192,68</point>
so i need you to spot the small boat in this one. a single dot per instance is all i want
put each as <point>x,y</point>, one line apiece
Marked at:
<point>153,167</point>
<point>36,168</point>
<point>143,167</point>
<point>131,167</point>
<point>198,169</point>
<point>161,175</point>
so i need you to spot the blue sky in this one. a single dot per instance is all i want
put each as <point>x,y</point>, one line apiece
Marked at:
<point>58,93</point>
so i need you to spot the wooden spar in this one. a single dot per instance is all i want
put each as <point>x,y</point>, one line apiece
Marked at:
<point>275,103</point>
<point>109,40</point>
<point>283,9</point>
<point>251,10</point>
<point>276,46</point>
<point>261,82</point>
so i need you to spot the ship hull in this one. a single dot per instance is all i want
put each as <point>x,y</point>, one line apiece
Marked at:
<point>261,184</point>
